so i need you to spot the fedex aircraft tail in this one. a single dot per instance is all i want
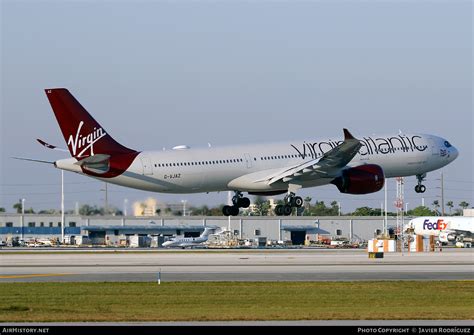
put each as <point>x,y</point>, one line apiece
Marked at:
<point>83,135</point>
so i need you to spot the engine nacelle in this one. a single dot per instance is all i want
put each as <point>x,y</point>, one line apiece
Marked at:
<point>446,237</point>
<point>361,179</point>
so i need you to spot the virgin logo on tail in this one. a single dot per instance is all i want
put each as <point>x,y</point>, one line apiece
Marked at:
<point>84,142</point>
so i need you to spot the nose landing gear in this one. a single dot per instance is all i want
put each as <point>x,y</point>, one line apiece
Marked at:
<point>420,188</point>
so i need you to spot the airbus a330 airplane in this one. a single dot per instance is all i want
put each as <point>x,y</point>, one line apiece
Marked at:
<point>354,166</point>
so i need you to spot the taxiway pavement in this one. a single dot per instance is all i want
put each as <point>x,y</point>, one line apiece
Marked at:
<point>242,265</point>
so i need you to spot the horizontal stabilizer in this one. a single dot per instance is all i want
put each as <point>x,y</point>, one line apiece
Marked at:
<point>32,160</point>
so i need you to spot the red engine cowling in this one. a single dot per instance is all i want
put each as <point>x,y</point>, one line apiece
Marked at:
<point>362,179</point>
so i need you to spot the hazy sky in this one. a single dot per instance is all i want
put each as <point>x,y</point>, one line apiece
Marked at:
<point>158,74</point>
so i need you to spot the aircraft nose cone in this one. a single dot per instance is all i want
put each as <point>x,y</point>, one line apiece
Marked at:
<point>454,153</point>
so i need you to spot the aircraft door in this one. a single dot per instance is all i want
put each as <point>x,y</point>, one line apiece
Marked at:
<point>434,148</point>
<point>248,160</point>
<point>146,164</point>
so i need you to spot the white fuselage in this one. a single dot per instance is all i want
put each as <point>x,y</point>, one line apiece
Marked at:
<point>185,241</point>
<point>437,225</point>
<point>237,168</point>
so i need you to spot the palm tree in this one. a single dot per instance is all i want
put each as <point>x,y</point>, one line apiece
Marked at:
<point>450,204</point>
<point>464,204</point>
<point>436,206</point>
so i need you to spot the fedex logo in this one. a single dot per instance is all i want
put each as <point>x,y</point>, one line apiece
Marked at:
<point>438,225</point>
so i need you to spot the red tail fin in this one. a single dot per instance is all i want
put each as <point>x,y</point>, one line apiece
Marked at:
<point>84,136</point>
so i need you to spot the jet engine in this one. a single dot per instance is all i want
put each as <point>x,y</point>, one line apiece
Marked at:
<point>361,179</point>
<point>446,237</point>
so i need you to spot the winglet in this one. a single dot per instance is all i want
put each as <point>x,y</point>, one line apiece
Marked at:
<point>348,135</point>
<point>50,146</point>
<point>47,145</point>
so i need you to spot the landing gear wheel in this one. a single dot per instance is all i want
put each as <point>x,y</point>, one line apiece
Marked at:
<point>298,202</point>
<point>226,210</point>
<point>239,201</point>
<point>234,211</point>
<point>279,210</point>
<point>230,210</point>
<point>291,201</point>
<point>420,188</point>
<point>243,202</point>
<point>287,209</point>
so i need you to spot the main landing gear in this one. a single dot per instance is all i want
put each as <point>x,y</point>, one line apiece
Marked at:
<point>291,201</point>
<point>420,188</point>
<point>238,201</point>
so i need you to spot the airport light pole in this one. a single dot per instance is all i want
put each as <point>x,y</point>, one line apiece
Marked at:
<point>22,216</point>
<point>106,200</point>
<point>106,209</point>
<point>442,194</point>
<point>184,207</point>
<point>386,215</point>
<point>125,205</point>
<point>62,206</point>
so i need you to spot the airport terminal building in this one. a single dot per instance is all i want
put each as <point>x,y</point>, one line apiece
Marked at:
<point>113,230</point>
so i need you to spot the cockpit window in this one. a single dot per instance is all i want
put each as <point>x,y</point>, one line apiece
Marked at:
<point>447,144</point>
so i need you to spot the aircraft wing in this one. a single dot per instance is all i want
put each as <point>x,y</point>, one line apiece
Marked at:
<point>461,232</point>
<point>327,166</point>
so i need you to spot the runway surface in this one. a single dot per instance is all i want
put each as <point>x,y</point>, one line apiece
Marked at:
<point>242,265</point>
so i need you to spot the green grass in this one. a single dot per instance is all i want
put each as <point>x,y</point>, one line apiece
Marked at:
<point>203,301</point>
